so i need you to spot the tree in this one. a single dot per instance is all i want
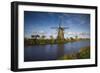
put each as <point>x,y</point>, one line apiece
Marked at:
<point>51,37</point>
<point>71,38</point>
<point>35,36</point>
<point>43,36</point>
<point>76,37</point>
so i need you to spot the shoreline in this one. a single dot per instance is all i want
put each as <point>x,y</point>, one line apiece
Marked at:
<point>84,53</point>
<point>32,42</point>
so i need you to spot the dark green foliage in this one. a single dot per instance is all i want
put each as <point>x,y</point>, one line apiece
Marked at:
<point>84,53</point>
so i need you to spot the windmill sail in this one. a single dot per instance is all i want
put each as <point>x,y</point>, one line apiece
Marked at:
<point>60,31</point>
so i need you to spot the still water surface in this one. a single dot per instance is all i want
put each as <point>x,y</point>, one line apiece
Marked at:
<point>52,52</point>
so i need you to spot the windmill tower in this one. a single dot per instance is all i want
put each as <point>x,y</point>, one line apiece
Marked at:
<point>60,31</point>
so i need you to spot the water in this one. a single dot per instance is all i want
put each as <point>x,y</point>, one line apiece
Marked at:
<point>52,52</point>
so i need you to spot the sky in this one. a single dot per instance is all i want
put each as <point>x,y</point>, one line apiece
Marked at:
<point>42,23</point>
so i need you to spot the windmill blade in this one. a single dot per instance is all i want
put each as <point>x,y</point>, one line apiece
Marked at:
<point>65,27</point>
<point>71,33</point>
<point>54,27</point>
<point>61,27</point>
<point>55,33</point>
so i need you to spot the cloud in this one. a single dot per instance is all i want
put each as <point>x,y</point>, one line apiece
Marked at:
<point>77,33</point>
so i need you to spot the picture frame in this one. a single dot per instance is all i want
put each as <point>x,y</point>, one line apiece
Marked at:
<point>43,16</point>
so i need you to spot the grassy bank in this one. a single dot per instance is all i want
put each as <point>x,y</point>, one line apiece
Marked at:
<point>48,41</point>
<point>84,53</point>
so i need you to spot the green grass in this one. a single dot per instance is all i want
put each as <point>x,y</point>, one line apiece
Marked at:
<point>84,53</point>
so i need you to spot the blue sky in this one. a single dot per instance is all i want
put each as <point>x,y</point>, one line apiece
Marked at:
<point>42,22</point>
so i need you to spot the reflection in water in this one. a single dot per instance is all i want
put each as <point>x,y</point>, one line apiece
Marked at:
<point>53,52</point>
<point>60,50</point>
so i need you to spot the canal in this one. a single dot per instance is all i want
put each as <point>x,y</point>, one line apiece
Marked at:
<point>53,52</point>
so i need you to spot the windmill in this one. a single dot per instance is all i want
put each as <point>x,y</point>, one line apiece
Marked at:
<point>60,31</point>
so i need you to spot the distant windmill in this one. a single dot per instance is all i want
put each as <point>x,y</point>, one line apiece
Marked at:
<point>60,30</point>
